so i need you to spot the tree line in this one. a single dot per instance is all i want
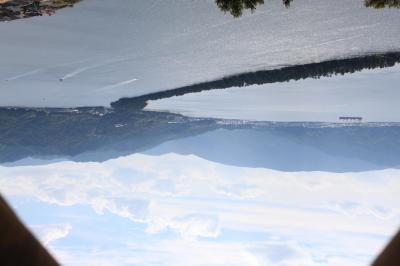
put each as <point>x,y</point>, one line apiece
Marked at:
<point>236,7</point>
<point>297,72</point>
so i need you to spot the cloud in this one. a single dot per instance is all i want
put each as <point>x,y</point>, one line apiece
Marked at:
<point>318,218</point>
<point>180,252</point>
<point>189,227</point>
<point>51,232</point>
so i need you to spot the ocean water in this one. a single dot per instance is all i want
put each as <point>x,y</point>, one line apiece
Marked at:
<point>104,50</point>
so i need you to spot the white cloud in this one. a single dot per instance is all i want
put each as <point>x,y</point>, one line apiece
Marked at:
<point>51,232</point>
<point>189,227</point>
<point>340,217</point>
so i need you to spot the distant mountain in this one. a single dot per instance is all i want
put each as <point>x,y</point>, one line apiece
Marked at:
<point>296,147</point>
<point>50,133</point>
<point>99,134</point>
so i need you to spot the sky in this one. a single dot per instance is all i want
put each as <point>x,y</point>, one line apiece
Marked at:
<point>183,210</point>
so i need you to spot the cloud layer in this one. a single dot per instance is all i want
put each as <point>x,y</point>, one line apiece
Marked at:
<point>183,210</point>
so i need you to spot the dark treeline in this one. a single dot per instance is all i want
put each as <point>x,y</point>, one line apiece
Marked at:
<point>313,70</point>
<point>382,3</point>
<point>236,7</point>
